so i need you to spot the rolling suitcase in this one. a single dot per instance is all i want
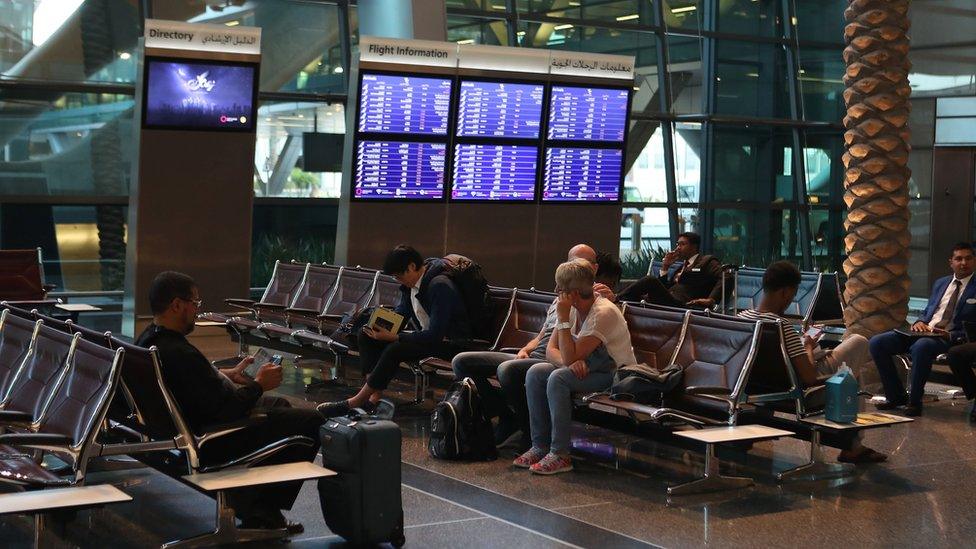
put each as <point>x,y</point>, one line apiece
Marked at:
<point>362,503</point>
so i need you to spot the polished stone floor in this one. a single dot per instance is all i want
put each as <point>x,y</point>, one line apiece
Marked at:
<point>616,497</point>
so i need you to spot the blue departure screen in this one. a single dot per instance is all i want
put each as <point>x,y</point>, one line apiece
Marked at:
<point>499,109</point>
<point>582,175</point>
<point>494,172</point>
<point>404,104</point>
<point>587,114</point>
<point>392,169</point>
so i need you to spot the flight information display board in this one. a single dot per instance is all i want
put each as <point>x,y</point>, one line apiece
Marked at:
<point>404,104</point>
<point>588,114</point>
<point>399,170</point>
<point>494,172</point>
<point>582,175</point>
<point>499,109</point>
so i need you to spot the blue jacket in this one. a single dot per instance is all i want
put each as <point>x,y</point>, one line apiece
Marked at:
<point>965,307</point>
<point>440,297</point>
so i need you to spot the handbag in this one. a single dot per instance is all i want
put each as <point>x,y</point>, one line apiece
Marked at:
<point>644,384</point>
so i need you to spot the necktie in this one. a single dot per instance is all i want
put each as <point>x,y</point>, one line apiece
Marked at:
<point>946,322</point>
<point>677,275</point>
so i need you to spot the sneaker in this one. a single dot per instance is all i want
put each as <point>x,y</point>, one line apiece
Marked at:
<point>529,458</point>
<point>552,464</point>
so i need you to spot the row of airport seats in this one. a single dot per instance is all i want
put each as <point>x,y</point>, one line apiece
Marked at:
<point>22,279</point>
<point>735,370</point>
<point>78,394</point>
<point>819,299</point>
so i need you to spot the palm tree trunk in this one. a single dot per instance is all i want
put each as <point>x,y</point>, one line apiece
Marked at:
<point>876,160</point>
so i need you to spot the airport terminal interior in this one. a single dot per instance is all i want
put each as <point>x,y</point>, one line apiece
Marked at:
<point>487,273</point>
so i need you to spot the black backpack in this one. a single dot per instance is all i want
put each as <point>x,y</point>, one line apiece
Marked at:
<point>459,429</point>
<point>645,385</point>
<point>473,287</point>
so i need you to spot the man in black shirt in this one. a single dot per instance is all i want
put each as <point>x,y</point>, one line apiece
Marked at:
<point>208,396</point>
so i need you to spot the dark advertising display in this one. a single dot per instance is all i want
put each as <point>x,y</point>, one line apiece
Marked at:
<point>494,172</point>
<point>582,175</point>
<point>588,114</point>
<point>399,170</point>
<point>499,109</point>
<point>205,95</point>
<point>404,104</point>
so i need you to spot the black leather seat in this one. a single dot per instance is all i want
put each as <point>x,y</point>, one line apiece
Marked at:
<point>316,290</point>
<point>16,334</point>
<point>280,291</point>
<point>352,293</point>
<point>654,333</point>
<point>501,301</point>
<point>38,378</point>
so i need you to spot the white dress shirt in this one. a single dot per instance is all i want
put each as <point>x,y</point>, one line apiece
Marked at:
<point>946,296</point>
<point>691,261</point>
<point>418,309</point>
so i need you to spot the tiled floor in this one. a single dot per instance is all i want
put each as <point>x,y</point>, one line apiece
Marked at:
<point>616,497</point>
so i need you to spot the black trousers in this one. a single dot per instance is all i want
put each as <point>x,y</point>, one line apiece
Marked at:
<point>282,421</point>
<point>651,290</point>
<point>380,359</point>
<point>961,358</point>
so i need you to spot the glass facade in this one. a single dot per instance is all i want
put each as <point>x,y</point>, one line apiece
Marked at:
<point>736,129</point>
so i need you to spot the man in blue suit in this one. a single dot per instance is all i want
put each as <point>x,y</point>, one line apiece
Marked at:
<point>953,302</point>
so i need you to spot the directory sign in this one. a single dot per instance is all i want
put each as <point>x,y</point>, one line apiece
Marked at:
<point>588,114</point>
<point>582,175</point>
<point>494,172</point>
<point>404,104</point>
<point>499,109</point>
<point>399,170</point>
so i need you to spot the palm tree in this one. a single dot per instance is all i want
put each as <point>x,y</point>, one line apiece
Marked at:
<point>876,162</point>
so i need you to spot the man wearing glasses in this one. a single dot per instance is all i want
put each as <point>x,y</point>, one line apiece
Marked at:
<point>208,396</point>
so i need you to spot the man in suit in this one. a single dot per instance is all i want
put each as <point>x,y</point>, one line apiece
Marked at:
<point>953,302</point>
<point>697,283</point>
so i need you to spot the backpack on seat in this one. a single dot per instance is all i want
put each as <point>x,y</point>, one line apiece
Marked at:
<point>473,287</point>
<point>459,429</point>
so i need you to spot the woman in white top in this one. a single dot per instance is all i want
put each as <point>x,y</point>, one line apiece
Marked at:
<point>582,356</point>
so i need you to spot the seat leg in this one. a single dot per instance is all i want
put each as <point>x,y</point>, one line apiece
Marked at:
<point>712,481</point>
<point>336,378</point>
<point>39,531</point>
<point>818,467</point>
<point>226,531</point>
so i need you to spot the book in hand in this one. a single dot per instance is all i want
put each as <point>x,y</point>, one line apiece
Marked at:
<point>386,319</point>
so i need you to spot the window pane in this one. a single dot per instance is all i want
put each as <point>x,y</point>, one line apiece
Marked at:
<point>83,247</point>
<point>69,40</point>
<point>689,220</point>
<point>751,79</point>
<point>300,41</point>
<point>821,83</point>
<point>922,122</point>
<point>687,160</point>
<point>756,237</point>
<point>644,233</point>
<point>685,68</point>
<point>752,164</point>
<point>646,180</point>
<point>304,232</point>
<point>77,144</point>
<point>943,71</point>
<point>470,30</point>
<point>632,12</point>
<point>279,150</point>
<point>820,20</point>
<point>824,170</point>
<point>750,17</point>
<point>683,14</point>
<point>920,197</point>
<point>495,6</point>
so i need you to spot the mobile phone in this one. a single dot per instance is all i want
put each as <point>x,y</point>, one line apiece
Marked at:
<point>276,360</point>
<point>813,332</point>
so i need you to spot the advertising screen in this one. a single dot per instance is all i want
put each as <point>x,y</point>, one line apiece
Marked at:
<point>582,175</point>
<point>499,109</point>
<point>587,114</point>
<point>199,95</point>
<point>494,172</point>
<point>399,170</point>
<point>404,104</point>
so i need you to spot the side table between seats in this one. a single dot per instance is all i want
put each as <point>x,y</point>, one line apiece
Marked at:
<point>713,480</point>
<point>38,502</point>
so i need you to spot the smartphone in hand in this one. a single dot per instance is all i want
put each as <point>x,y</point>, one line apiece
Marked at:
<point>814,332</point>
<point>276,360</point>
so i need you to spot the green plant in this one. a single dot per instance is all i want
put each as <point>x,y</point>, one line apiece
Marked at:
<point>269,248</point>
<point>302,180</point>
<point>635,263</point>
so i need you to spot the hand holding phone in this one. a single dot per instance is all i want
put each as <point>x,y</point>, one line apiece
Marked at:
<point>814,332</point>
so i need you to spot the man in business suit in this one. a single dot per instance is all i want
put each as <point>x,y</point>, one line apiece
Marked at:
<point>953,302</point>
<point>698,283</point>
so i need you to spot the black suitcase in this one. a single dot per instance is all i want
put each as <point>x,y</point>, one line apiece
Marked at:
<point>363,502</point>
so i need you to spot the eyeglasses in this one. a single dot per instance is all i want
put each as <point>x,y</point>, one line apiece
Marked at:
<point>197,302</point>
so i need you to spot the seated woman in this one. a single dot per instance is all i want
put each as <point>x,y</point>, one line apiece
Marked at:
<point>582,356</point>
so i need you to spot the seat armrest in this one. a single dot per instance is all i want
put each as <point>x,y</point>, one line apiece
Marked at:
<point>240,303</point>
<point>13,416</point>
<point>707,390</point>
<point>257,456</point>
<point>329,316</point>
<point>302,311</point>
<point>271,306</point>
<point>36,440</point>
<point>216,430</point>
<point>49,287</point>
